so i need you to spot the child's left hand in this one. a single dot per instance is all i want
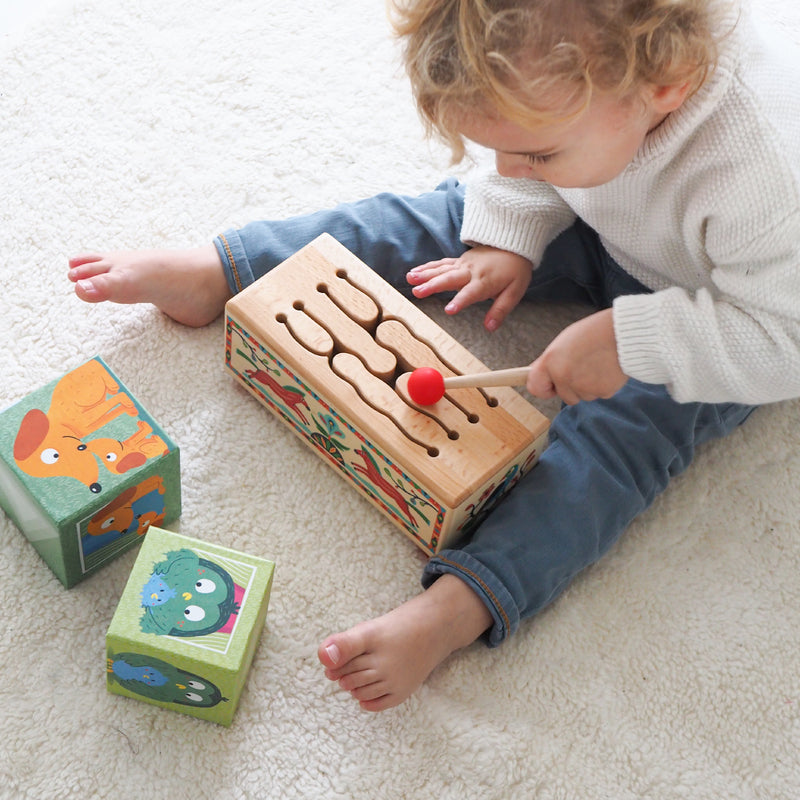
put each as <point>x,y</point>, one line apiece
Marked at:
<point>482,273</point>
<point>581,363</point>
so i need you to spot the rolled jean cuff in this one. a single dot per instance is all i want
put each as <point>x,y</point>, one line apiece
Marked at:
<point>235,263</point>
<point>484,583</point>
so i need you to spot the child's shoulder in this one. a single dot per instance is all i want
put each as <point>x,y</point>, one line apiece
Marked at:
<point>766,89</point>
<point>771,50</point>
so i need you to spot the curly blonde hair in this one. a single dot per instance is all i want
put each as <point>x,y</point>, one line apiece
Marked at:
<point>519,59</point>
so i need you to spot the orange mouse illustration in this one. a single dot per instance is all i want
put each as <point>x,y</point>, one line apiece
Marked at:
<point>132,511</point>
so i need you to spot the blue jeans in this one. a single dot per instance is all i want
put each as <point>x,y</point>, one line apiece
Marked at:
<point>607,460</point>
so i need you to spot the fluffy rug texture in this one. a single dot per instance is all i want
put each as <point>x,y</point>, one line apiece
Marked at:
<point>668,670</point>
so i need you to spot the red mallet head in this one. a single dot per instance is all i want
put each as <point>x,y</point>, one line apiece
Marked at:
<point>426,386</point>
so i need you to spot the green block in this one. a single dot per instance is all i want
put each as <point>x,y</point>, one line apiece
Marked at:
<point>186,628</point>
<point>85,470</point>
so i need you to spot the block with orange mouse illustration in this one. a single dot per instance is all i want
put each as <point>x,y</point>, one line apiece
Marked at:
<point>327,345</point>
<point>85,470</point>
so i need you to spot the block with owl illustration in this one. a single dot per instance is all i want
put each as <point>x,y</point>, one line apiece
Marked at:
<point>85,470</point>
<point>187,626</point>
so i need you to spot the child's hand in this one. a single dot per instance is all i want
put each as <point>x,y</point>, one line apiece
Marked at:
<point>581,363</point>
<point>482,273</point>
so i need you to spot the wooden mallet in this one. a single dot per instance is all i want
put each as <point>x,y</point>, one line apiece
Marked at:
<point>427,385</point>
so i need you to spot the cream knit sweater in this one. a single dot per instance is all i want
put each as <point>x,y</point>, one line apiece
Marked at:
<point>708,216</point>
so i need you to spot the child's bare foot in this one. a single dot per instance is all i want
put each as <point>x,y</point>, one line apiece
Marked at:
<point>187,285</point>
<point>383,661</point>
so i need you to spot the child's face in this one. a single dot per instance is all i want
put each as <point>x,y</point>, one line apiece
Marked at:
<point>588,151</point>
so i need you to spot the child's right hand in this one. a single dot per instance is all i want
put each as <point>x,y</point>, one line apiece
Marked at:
<point>482,273</point>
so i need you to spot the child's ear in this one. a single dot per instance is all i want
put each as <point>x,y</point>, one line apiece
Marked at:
<point>666,99</point>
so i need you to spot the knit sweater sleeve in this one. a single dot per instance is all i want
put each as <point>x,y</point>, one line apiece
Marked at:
<point>513,214</point>
<point>739,343</point>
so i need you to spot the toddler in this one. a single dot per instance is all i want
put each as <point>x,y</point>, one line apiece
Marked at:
<point>648,163</point>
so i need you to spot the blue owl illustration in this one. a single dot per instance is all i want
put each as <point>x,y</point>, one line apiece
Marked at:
<point>137,673</point>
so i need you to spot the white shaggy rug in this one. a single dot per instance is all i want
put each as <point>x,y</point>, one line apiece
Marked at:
<point>669,670</point>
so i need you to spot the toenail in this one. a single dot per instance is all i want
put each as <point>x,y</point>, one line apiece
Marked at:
<point>87,287</point>
<point>333,653</point>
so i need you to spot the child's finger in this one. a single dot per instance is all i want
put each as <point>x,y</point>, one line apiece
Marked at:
<point>539,383</point>
<point>423,276</point>
<point>502,306</point>
<point>447,281</point>
<point>436,263</point>
<point>429,268</point>
<point>432,273</point>
<point>470,292</point>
